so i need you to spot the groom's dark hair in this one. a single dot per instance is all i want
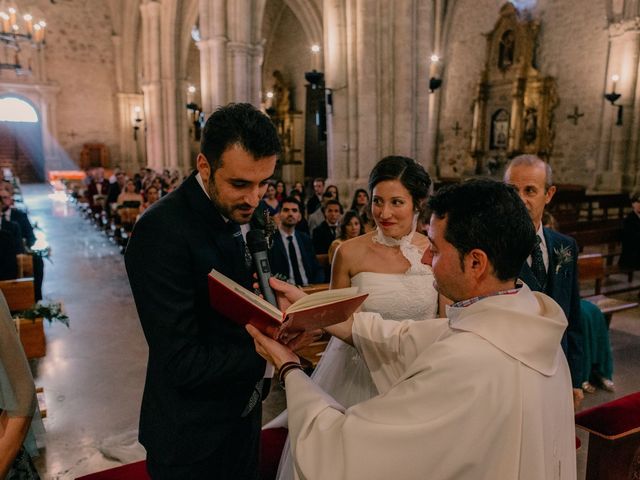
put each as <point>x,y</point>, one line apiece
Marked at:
<point>490,216</point>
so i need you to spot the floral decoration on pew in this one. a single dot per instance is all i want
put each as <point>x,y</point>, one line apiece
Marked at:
<point>51,311</point>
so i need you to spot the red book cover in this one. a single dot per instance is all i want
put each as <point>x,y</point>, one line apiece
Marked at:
<point>312,312</point>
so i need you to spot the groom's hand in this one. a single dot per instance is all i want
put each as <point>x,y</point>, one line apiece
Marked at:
<point>271,350</point>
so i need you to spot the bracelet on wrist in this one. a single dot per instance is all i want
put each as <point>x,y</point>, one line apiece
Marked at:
<point>286,368</point>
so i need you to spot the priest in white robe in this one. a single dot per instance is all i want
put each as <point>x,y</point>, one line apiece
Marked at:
<point>482,394</point>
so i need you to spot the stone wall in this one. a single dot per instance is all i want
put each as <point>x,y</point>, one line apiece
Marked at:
<point>79,58</point>
<point>572,47</point>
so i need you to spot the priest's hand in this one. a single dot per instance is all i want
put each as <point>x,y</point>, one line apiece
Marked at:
<point>286,294</point>
<point>271,350</point>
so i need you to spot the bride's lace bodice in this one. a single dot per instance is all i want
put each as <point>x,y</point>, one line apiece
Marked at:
<point>399,296</point>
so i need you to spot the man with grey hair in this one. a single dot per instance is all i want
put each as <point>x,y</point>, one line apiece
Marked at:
<point>552,266</point>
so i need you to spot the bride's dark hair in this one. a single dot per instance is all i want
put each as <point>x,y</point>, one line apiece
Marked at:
<point>408,172</point>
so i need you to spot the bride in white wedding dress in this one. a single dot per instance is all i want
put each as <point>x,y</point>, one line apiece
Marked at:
<point>385,264</point>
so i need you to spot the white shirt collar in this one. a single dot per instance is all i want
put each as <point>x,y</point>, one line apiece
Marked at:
<point>201,183</point>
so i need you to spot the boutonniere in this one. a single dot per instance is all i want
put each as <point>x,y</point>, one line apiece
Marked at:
<point>270,228</point>
<point>563,257</point>
<point>264,221</point>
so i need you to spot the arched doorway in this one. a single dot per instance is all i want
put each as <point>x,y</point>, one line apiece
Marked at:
<point>21,139</point>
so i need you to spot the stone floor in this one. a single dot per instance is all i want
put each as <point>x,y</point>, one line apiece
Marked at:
<point>93,373</point>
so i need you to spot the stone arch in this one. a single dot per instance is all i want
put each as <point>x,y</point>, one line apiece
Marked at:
<point>25,104</point>
<point>310,18</point>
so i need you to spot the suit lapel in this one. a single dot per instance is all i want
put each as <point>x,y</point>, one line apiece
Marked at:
<point>218,230</point>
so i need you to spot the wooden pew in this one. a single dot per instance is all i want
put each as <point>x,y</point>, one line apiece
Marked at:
<point>20,293</point>
<point>591,267</point>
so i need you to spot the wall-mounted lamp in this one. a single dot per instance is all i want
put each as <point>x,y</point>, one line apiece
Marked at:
<point>137,122</point>
<point>613,97</point>
<point>435,82</point>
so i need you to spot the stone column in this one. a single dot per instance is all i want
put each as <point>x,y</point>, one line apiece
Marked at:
<point>367,64</point>
<point>241,73</point>
<point>152,87</point>
<point>213,54</point>
<point>339,154</point>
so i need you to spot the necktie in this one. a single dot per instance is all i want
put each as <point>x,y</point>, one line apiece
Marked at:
<point>333,231</point>
<point>537,263</point>
<point>293,258</point>
<point>237,234</point>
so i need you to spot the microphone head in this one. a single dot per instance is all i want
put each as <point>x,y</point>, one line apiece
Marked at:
<point>256,240</point>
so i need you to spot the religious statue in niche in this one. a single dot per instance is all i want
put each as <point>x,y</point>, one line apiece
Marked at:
<point>506,50</point>
<point>281,101</point>
<point>530,125</point>
<point>499,130</point>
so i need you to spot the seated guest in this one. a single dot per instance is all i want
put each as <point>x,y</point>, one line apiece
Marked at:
<point>315,202</point>
<point>152,197</point>
<point>597,369</point>
<point>597,358</point>
<point>159,184</point>
<point>129,204</point>
<point>292,255</point>
<point>9,226</point>
<point>302,225</point>
<point>334,191</point>
<point>482,394</point>
<point>327,231</point>
<point>28,238</point>
<point>269,202</point>
<point>350,227</point>
<point>281,191</point>
<point>115,188</point>
<point>8,259</point>
<point>630,257</point>
<point>317,217</point>
<point>97,190</point>
<point>129,198</point>
<point>362,205</point>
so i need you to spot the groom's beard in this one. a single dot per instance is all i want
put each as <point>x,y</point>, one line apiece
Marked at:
<point>240,213</point>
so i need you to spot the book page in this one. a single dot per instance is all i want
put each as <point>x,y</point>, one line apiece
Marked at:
<point>248,295</point>
<point>323,298</point>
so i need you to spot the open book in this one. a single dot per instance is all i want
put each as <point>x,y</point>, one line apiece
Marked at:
<point>314,311</point>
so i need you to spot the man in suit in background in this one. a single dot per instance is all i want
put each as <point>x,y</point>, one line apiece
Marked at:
<point>327,231</point>
<point>292,254</point>
<point>315,202</point>
<point>552,266</point>
<point>28,238</point>
<point>201,409</point>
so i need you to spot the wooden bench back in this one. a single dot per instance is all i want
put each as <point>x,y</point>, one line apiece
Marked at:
<point>19,293</point>
<point>591,267</point>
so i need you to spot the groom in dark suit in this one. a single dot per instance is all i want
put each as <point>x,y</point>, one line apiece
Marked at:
<point>552,266</point>
<point>201,409</point>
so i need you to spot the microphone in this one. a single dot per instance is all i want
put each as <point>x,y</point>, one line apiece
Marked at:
<point>258,248</point>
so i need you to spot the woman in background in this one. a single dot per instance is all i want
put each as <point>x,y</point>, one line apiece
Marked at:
<point>350,227</point>
<point>270,202</point>
<point>362,205</point>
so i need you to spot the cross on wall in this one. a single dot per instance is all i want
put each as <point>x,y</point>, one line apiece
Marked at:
<point>575,116</point>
